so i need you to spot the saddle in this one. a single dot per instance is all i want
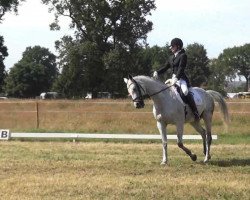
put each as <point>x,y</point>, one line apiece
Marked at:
<point>183,99</point>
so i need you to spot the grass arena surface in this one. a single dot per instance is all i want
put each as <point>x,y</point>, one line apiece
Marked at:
<point>115,169</point>
<point>100,170</point>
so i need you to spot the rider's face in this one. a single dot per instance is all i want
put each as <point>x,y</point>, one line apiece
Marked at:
<point>174,48</point>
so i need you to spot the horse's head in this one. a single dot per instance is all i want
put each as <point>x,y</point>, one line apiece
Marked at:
<point>136,91</point>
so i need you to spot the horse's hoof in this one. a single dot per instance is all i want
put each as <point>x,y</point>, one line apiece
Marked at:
<point>207,159</point>
<point>193,157</point>
<point>164,163</point>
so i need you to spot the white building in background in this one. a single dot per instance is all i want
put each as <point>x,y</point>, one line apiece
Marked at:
<point>49,95</point>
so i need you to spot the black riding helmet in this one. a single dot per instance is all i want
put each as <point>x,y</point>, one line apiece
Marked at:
<point>176,41</point>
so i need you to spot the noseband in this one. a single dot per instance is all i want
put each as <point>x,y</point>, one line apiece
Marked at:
<point>140,98</point>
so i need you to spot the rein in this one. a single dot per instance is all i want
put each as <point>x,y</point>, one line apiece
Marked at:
<point>139,87</point>
<point>160,91</point>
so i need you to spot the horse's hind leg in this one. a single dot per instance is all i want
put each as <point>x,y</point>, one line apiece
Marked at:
<point>208,123</point>
<point>180,143</point>
<point>197,126</point>
<point>205,134</point>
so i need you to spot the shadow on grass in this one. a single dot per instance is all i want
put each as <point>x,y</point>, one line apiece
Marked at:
<point>231,162</point>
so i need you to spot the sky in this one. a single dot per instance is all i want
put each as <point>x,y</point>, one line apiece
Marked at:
<point>216,24</point>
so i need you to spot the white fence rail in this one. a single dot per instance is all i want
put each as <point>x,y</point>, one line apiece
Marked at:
<point>6,135</point>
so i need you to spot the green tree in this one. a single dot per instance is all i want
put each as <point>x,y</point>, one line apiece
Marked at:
<point>217,78</point>
<point>78,62</point>
<point>197,64</point>
<point>3,55</point>
<point>33,74</point>
<point>158,55</point>
<point>236,61</point>
<point>8,6</point>
<point>5,6</point>
<point>116,30</point>
<point>153,58</point>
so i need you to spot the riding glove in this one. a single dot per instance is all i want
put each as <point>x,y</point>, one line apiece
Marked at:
<point>155,74</point>
<point>174,79</point>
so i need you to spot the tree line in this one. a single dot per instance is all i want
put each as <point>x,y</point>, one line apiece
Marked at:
<point>109,42</point>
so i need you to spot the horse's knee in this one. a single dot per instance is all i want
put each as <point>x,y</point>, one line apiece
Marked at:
<point>209,139</point>
<point>180,145</point>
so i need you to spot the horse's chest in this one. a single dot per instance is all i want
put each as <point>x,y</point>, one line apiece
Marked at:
<point>164,116</point>
<point>168,112</point>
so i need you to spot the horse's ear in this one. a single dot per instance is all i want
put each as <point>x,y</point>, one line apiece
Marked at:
<point>130,76</point>
<point>125,80</point>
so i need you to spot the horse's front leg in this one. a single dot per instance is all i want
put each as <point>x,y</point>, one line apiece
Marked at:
<point>163,131</point>
<point>179,128</point>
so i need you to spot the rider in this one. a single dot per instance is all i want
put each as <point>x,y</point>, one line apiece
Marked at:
<point>178,64</point>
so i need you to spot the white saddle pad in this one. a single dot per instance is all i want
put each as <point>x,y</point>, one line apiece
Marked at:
<point>197,97</point>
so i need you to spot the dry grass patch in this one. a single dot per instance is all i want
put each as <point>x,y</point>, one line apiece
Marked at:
<point>109,116</point>
<point>97,170</point>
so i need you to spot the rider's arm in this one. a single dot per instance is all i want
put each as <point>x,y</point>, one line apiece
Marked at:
<point>163,69</point>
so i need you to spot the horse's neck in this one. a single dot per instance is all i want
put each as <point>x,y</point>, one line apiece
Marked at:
<point>153,87</point>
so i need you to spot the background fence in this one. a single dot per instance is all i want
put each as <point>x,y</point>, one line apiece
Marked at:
<point>110,116</point>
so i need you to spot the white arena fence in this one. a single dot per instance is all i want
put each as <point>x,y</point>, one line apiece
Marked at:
<point>7,135</point>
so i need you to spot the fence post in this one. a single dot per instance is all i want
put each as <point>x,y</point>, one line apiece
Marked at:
<point>37,115</point>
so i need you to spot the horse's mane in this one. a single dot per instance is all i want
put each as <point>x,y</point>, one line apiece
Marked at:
<point>143,77</point>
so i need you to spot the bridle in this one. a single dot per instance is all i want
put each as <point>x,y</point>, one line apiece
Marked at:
<point>140,98</point>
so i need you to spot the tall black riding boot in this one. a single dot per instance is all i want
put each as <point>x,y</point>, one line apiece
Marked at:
<point>192,105</point>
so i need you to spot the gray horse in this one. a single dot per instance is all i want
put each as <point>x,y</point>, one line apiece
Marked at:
<point>168,108</point>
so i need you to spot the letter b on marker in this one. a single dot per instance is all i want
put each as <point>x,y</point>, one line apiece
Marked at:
<point>4,134</point>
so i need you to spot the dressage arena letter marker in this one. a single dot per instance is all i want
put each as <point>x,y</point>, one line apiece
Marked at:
<point>4,134</point>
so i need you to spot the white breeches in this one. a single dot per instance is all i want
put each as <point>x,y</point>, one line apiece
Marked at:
<point>183,85</point>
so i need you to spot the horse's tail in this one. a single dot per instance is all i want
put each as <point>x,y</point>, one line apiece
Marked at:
<point>222,104</point>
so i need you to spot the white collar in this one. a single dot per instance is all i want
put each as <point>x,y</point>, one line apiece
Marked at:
<point>176,53</point>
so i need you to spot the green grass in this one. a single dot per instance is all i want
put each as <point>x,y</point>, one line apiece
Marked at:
<point>99,170</point>
<point>233,139</point>
<point>117,169</point>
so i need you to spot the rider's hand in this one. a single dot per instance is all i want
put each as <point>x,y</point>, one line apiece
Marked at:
<point>174,80</point>
<point>155,74</point>
<point>168,81</point>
